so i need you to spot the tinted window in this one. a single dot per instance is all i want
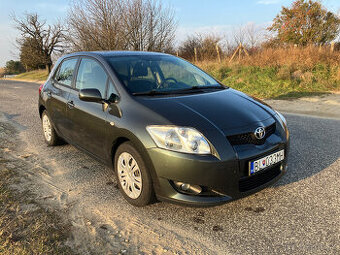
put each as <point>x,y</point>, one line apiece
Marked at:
<point>91,75</point>
<point>66,70</point>
<point>159,73</point>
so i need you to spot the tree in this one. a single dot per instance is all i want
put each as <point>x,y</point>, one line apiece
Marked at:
<point>239,35</point>
<point>205,45</point>
<point>306,22</point>
<point>14,67</point>
<point>186,48</point>
<point>253,34</point>
<point>148,25</point>
<point>30,55</point>
<point>121,25</point>
<point>2,72</point>
<point>46,39</point>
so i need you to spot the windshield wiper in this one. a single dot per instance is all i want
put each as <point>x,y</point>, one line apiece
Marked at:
<point>199,88</point>
<point>179,91</point>
<point>151,93</point>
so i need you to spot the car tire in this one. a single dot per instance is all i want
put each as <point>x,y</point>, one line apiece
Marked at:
<point>50,135</point>
<point>134,180</point>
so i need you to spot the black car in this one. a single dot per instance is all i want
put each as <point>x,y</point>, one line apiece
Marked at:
<point>170,131</point>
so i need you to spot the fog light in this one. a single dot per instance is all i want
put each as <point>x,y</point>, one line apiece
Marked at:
<point>188,188</point>
<point>185,186</point>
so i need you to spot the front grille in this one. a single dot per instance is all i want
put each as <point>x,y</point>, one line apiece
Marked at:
<point>249,138</point>
<point>252,182</point>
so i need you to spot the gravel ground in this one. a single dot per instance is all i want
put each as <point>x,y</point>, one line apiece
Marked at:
<point>298,215</point>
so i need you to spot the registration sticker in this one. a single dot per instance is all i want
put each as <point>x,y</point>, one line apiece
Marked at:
<point>265,162</point>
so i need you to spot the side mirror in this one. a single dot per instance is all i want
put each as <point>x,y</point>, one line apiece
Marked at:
<point>90,95</point>
<point>114,98</point>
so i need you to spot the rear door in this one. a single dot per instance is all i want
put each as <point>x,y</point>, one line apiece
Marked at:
<point>89,125</point>
<point>58,95</point>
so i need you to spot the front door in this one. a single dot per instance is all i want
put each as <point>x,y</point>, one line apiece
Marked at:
<point>89,125</point>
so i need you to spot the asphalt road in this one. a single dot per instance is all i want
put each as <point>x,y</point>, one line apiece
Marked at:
<point>298,215</point>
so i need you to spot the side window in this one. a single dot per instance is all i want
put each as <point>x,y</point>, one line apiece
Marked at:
<point>66,71</point>
<point>91,76</point>
<point>111,89</point>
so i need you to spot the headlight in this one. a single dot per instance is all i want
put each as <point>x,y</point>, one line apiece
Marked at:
<point>181,139</point>
<point>282,117</point>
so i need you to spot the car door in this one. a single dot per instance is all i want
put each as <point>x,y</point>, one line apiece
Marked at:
<point>89,123</point>
<point>58,95</point>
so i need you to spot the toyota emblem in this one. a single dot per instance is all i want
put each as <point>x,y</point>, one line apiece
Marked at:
<point>259,133</point>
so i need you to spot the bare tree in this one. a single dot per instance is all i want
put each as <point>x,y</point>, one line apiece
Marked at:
<point>253,35</point>
<point>121,24</point>
<point>227,45</point>
<point>95,25</point>
<point>239,35</point>
<point>45,39</point>
<point>186,48</point>
<point>205,45</point>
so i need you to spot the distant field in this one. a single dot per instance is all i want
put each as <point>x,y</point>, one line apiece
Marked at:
<point>37,75</point>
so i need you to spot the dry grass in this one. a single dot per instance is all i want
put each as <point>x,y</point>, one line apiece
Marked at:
<point>299,58</point>
<point>273,73</point>
<point>2,72</point>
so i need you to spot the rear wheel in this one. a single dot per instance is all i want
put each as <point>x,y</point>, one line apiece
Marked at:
<point>133,178</point>
<point>51,137</point>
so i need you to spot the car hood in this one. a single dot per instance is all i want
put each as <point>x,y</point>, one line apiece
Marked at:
<point>226,110</point>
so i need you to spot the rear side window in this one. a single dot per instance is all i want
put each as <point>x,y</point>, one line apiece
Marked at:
<point>66,71</point>
<point>91,75</point>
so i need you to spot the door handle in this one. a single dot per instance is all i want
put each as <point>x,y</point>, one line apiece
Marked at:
<point>70,104</point>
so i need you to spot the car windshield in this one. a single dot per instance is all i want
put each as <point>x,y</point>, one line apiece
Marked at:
<point>160,74</point>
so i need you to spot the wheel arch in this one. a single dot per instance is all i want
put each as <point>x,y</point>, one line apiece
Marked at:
<point>138,145</point>
<point>41,110</point>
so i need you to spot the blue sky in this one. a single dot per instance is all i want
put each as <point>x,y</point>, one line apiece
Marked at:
<point>219,16</point>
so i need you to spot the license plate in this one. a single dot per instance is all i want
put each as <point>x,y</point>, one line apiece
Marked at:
<point>265,162</point>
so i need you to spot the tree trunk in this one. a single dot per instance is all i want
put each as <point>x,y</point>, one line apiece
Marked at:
<point>48,68</point>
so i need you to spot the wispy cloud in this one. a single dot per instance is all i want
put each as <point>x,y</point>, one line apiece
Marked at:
<point>267,2</point>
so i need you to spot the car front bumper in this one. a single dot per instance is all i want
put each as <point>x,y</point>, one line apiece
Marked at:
<point>222,180</point>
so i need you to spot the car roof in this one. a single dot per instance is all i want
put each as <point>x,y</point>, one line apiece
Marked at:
<point>105,54</point>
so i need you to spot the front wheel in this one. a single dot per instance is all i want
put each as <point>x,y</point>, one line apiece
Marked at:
<point>133,178</point>
<point>50,135</point>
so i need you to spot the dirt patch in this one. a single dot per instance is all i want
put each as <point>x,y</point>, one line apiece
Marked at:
<point>90,230</point>
<point>26,226</point>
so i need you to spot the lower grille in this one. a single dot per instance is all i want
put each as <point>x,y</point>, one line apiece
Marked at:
<point>252,182</point>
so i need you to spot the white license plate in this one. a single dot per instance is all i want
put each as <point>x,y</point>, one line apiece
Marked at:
<point>267,161</point>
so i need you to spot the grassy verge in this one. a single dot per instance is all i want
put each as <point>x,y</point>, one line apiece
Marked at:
<point>37,75</point>
<point>279,82</point>
<point>281,73</point>
<point>25,227</point>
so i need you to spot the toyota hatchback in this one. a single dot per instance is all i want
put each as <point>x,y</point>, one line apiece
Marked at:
<point>167,129</point>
